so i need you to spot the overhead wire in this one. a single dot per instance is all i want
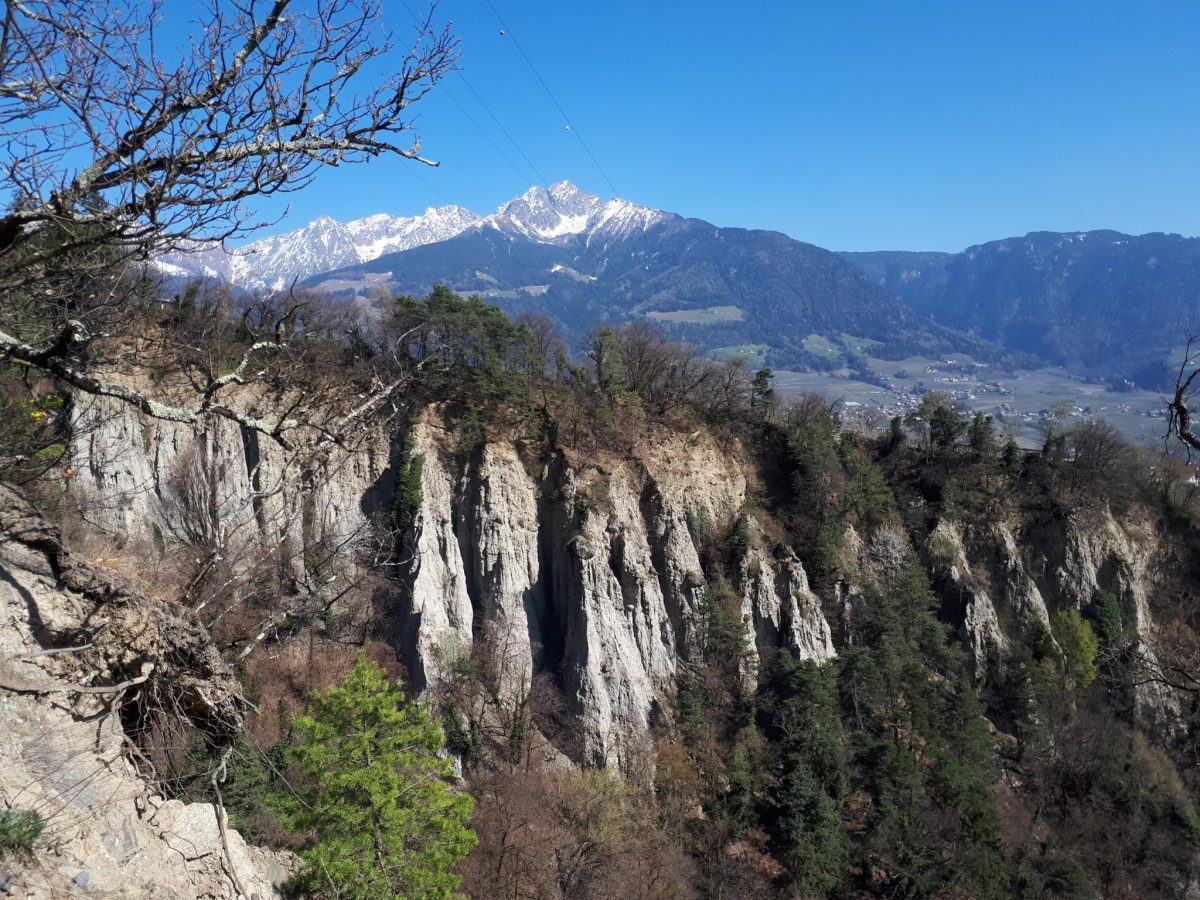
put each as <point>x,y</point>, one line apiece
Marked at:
<point>500,125</point>
<point>549,93</point>
<point>428,184</point>
<point>522,175</point>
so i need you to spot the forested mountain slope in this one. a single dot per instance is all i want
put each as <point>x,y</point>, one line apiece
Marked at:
<point>715,287</point>
<point>1099,302</point>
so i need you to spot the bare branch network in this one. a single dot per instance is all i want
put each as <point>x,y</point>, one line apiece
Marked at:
<point>114,141</point>
<point>1179,418</point>
<point>117,147</point>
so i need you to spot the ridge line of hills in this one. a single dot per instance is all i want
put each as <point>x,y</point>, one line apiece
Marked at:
<point>1099,304</point>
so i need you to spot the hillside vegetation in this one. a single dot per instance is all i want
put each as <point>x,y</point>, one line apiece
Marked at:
<point>1101,303</point>
<point>1008,708</point>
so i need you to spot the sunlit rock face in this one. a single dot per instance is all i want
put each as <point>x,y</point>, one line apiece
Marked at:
<point>586,569</point>
<point>582,567</point>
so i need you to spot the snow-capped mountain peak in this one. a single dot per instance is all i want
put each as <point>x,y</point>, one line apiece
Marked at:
<point>558,214</point>
<point>543,215</point>
<point>379,234</point>
<point>565,211</point>
<point>620,218</point>
<point>571,200</point>
<point>322,245</point>
<point>275,262</point>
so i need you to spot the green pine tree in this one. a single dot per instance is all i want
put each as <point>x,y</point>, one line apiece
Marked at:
<point>1079,645</point>
<point>407,495</point>
<point>762,395</point>
<point>374,792</point>
<point>813,785</point>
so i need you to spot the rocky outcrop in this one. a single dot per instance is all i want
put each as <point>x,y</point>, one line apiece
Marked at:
<point>785,612</point>
<point>969,591</point>
<point>223,488</point>
<point>1002,583</point>
<point>588,570</point>
<point>583,568</point>
<point>1096,555</point>
<point>80,655</point>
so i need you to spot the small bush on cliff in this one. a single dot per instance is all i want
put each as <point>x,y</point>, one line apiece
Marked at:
<point>1110,621</point>
<point>1075,637</point>
<point>373,790</point>
<point>700,526</point>
<point>407,495</point>
<point>19,828</point>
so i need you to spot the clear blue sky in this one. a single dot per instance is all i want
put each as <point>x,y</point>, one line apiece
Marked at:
<point>874,125</point>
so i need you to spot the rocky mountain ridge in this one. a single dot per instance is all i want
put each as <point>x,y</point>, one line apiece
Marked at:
<point>722,289</point>
<point>544,215</point>
<point>273,263</point>
<point>566,253</point>
<point>585,567</point>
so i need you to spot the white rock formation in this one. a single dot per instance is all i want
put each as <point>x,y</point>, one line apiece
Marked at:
<point>587,572</point>
<point>582,568</point>
<point>1007,594</point>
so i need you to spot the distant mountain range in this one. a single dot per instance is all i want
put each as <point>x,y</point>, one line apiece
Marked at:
<point>273,263</point>
<point>582,261</point>
<point>326,244</point>
<point>1098,303</point>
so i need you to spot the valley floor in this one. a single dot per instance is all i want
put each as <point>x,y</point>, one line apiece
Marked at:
<point>1023,397</point>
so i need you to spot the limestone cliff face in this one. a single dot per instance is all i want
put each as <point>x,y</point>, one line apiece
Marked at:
<point>785,612</point>
<point>219,486</point>
<point>584,568</point>
<point>1006,581</point>
<point>581,566</point>
<point>587,569</point>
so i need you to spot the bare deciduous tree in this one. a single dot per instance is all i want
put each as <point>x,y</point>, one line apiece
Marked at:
<point>119,147</point>
<point>1097,450</point>
<point>1179,418</point>
<point>668,375</point>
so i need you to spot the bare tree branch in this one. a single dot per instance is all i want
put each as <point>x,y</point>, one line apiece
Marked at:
<point>118,145</point>
<point>1179,419</point>
<point>54,359</point>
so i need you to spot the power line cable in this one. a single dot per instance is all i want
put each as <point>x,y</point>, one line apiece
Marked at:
<point>437,193</point>
<point>522,175</point>
<point>500,125</point>
<point>549,93</point>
